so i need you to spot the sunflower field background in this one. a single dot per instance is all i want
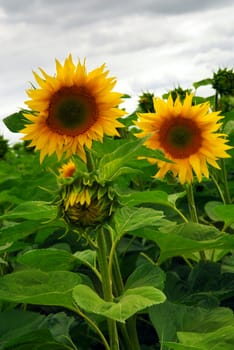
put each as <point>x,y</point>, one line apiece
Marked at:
<point>98,253</point>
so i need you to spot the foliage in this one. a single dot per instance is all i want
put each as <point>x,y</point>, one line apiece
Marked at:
<point>146,274</point>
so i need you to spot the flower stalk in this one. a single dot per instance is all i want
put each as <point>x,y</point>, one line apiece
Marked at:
<point>102,254</point>
<point>193,211</point>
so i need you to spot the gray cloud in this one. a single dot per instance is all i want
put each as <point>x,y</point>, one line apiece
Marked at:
<point>149,45</point>
<point>73,12</point>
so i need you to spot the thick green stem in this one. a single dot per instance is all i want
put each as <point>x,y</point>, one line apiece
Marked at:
<point>102,254</point>
<point>193,212</point>
<point>131,326</point>
<point>226,192</point>
<point>128,330</point>
<point>89,161</point>
<point>191,203</point>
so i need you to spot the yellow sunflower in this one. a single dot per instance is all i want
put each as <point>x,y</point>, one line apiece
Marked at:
<point>73,108</point>
<point>68,169</point>
<point>187,136</point>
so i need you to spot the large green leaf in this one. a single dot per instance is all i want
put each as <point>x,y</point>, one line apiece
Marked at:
<point>86,257</point>
<point>135,198</point>
<point>32,210</point>
<point>13,233</point>
<point>111,164</point>
<point>129,219</point>
<point>220,339</point>
<point>37,287</point>
<point>146,274</point>
<point>36,340</point>
<point>184,239</point>
<point>220,212</point>
<point>22,329</point>
<point>48,259</point>
<point>169,319</point>
<point>129,303</point>
<point>15,323</point>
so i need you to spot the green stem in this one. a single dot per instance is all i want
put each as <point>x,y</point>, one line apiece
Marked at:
<point>93,325</point>
<point>90,162</point>
<point>193,212</point>
<point>131,326</point>
<point>226,192</point>
<point>131,342</point>
<point>180,213</point>
<point>106,285</point>
<point>191,203</point>
<point>218,188</point>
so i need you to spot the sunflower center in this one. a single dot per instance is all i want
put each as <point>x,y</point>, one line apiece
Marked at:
<point>180,137</point>
<point>72,111</point>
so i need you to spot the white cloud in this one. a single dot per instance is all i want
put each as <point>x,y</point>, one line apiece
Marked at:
<point>149,45</point>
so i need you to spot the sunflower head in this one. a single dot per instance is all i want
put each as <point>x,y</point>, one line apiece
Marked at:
<point>71,109</point>
<point>186,133</point>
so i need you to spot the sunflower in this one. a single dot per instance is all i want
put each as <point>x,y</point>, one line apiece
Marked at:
<point>68,169</point>
<point>187,136</point>
<point>71,109</point>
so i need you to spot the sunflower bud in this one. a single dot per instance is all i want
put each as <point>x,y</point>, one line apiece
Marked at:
<point>3,147</point>
<point>178,92</point>
<point>83,206</point>
<point>83,200</point>
<point>223,82</point>
<point>145,102</point>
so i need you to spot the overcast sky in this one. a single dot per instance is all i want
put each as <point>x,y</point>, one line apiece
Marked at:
<point>149,45</point>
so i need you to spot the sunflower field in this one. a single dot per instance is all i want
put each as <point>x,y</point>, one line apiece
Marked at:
<point>117,229</point>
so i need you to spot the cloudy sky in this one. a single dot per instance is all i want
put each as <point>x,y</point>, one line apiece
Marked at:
<point>149,45</point>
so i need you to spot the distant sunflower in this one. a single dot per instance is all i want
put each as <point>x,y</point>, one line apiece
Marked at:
<point>68,169</point>
<point>186,135</point>
<point>73,108</point>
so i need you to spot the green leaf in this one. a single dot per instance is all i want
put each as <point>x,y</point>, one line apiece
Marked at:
<point>220,212</point>
<point>37,287</point>
<point>203,82</point>
<point>184,239</point>
<point>48,259</point>
<point>169,319</point>
<point>129,219</point>
<point>13,233</point>
<point>15,323</point>
<point>59,325</point>
<point>111,163</point>
<point>22,329</point>
<point>220,339</point>
<point>132,301</point>
<point>86,257</point>
<point>179,346</point>
<point>228,128</point>
<point>16,121</point>
<point>228,263</point>
<point>36,340</point>
<point>210,210</point>
<point>135,198</point>
<point>32,210</point>
<point>146,274</point>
